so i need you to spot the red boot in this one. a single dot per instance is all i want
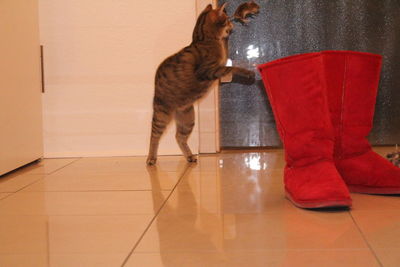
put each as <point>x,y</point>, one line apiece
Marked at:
<point>296,90</point>
<point>352,82</point>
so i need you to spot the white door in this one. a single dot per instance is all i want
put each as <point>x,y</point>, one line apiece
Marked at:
<point>20,84</point>
<point>100,60</point>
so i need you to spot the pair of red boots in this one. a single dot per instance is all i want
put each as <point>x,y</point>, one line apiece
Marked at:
<point>323,105</point>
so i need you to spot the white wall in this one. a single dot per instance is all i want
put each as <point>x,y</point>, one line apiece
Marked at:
<point>100,60</point>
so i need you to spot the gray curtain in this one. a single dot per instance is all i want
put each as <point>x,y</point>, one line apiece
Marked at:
<point>288,27</point>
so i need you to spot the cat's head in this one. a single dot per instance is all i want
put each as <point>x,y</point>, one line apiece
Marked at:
<point>212,24</point>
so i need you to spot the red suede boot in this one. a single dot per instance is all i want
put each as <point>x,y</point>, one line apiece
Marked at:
<point>352,82</point>
<point>296,89</point>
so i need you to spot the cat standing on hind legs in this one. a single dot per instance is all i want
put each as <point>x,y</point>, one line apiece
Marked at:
<point>186,76</point>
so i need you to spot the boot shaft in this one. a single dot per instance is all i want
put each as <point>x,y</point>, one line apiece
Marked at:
<point>347,80</point>
<point>296,89</point>
<point>351,82</point>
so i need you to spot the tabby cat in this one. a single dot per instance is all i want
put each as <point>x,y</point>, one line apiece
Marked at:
<point>186,76</point>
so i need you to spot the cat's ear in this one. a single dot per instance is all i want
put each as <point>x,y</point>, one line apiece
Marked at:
<point>221,9</point>
<point>208,8</point>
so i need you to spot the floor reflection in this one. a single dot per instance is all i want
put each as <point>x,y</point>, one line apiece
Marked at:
<point>227,210</point>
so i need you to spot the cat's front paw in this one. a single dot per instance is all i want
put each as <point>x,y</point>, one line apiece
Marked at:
<point>249,76</point>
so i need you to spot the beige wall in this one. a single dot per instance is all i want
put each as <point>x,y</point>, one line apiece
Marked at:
<point>100,60</point>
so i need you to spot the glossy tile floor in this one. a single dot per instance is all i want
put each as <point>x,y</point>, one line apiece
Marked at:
<point>227,210</point>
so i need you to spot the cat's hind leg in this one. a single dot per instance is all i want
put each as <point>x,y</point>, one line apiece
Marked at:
<point>184,126</point>
<point>161,118</point>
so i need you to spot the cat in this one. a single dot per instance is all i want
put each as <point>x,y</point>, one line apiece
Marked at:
<point>245,10</point>
<point>186,76</point>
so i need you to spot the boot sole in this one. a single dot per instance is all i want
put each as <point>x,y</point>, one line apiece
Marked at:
<point>319,204</point>
<point>374,190</point>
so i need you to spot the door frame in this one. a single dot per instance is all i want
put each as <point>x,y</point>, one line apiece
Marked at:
<point>208,107</point>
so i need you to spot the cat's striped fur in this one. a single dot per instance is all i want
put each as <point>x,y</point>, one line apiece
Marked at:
<point>186,76</point>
